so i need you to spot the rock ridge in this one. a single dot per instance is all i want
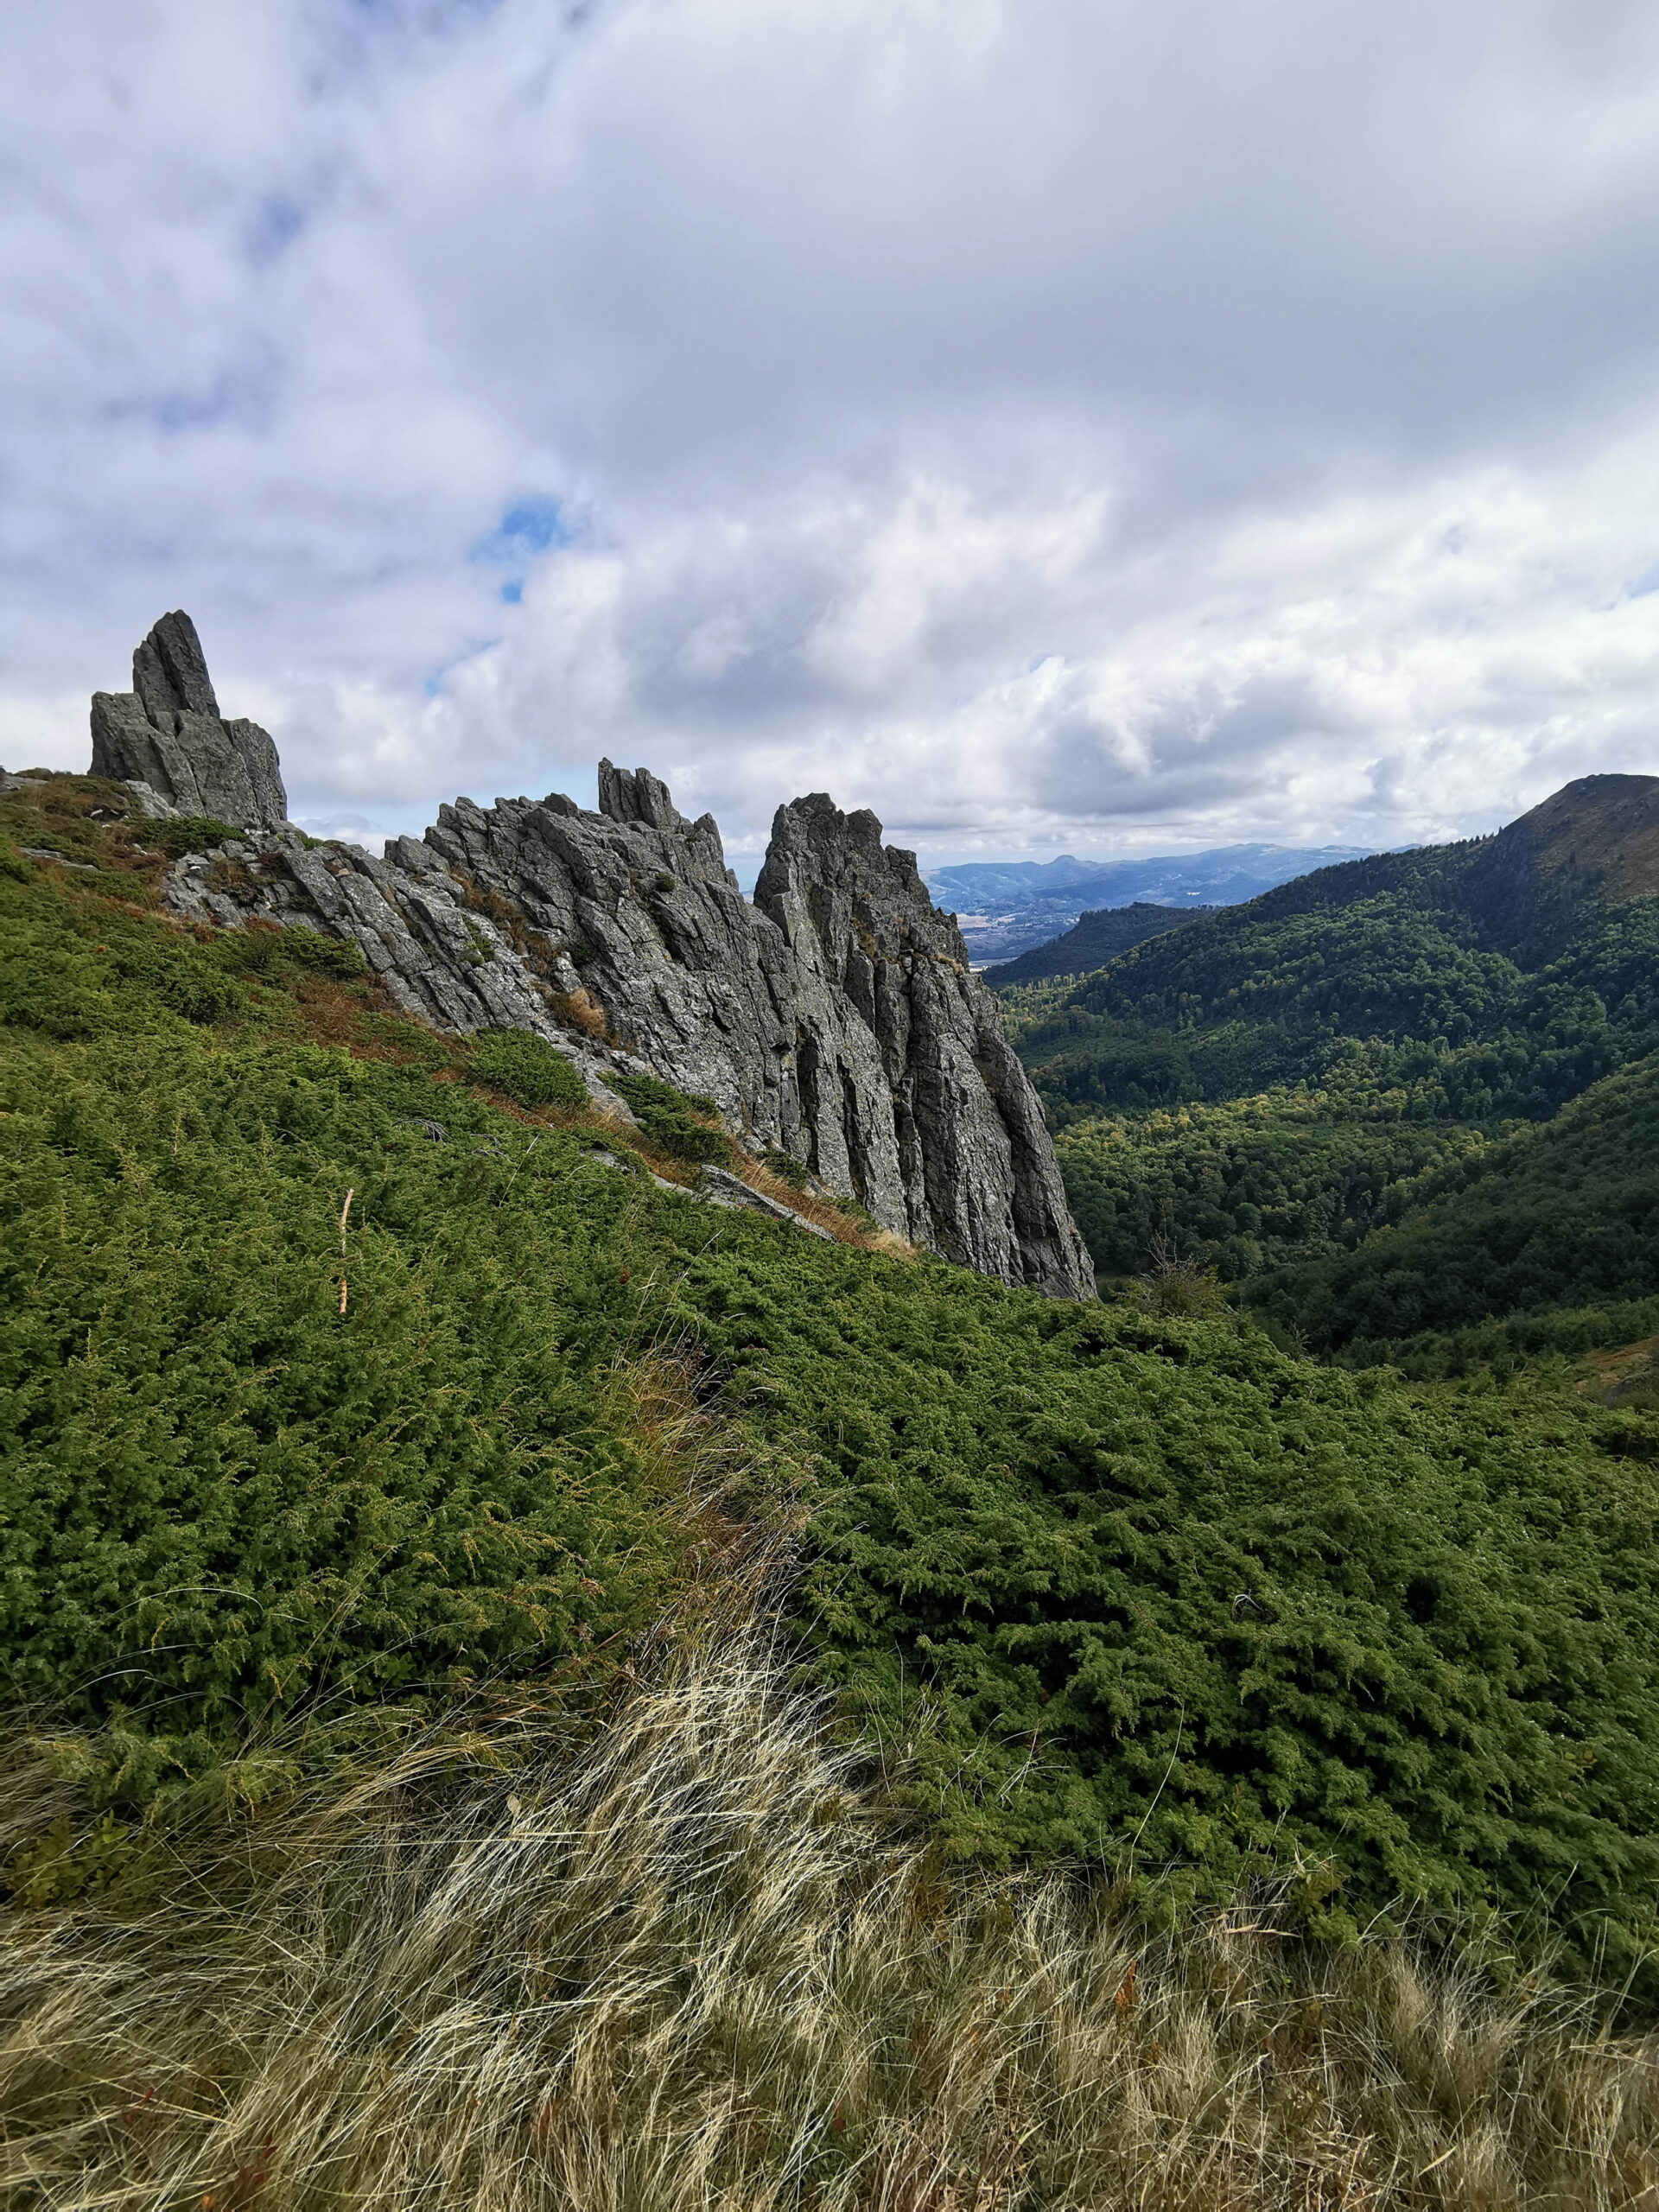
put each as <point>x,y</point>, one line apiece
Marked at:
<point>834,1020</point>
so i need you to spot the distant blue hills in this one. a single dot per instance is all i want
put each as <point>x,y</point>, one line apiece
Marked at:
<point>1008,906</point>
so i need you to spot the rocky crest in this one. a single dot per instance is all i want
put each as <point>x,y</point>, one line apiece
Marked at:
<point>835,1018</point>
<point>166,737</point>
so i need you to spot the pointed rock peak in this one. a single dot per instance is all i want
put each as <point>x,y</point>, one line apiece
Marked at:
<point>819,811</point>
<point>168,739</point>
<point>170,672</point>
<point>636,796</point>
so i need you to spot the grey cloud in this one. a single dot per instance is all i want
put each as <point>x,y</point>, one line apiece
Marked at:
<point>1066,421</point>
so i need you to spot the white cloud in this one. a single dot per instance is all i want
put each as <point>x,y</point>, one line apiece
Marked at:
<point>1077,422</point>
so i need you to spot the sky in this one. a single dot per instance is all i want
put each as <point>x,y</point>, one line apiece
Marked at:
<point>1089,425</point>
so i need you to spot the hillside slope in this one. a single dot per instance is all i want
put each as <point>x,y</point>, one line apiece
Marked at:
<point>1564,1215</point>
<point>284,1471</point>
<point>1094,940</point>
<point>1349,1031</point>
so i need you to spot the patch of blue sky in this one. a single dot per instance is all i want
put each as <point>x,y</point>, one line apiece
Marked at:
<point>530,525</point>
<point>1644,584</point>
<point>272,228</point>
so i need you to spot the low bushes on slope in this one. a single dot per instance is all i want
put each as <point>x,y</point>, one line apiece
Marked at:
<point>263,1450</point>
<point>1111,1586</point>
<point>1132,1587</point>
<point>688,1128</point>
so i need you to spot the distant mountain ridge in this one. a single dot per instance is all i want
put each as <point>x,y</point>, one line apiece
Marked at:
<point>1005,908</point>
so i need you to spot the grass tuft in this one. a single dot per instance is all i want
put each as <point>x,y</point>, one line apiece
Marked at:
<point>682,1961</point>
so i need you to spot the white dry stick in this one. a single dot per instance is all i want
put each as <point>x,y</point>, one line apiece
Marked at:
<point>344,1211</point>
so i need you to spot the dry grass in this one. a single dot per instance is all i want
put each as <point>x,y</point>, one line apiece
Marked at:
<point>682,1961</point>
<point>842,1226</point>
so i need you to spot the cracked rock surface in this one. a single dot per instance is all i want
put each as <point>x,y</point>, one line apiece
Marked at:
<point>168,737</point>
<point>835,1018</point>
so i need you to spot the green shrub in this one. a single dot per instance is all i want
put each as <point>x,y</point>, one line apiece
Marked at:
<point>227,1499</point>
<point>194,833</point>
<point>682,1123</point>
<point>525,1068</point>
<point>268,952</point>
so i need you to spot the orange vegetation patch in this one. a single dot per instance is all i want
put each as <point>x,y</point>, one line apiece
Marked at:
<point>1614,1376</point>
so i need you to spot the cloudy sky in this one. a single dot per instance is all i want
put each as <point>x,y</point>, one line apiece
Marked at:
<point>1060,424</point>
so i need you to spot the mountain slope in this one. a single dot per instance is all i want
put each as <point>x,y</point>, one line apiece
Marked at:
<point>284,1472</point>
<point>1564,1215</point>
<point>1094,938</point>
<point>1350,1029</point>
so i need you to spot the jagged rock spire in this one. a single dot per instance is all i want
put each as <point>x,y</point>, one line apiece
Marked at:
<point>170,673</point>
<point>167,736</point>
<point>835,1018</point>
<point>911,1095</point>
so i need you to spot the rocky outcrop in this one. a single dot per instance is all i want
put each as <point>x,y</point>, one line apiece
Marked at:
<point>911,1097</point>
<point>167,738</point>
<point>834,1018</point>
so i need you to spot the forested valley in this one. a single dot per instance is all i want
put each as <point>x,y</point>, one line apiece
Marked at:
<point>1403,1106</point>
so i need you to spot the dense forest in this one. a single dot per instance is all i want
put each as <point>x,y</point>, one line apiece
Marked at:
<point>1427,1071</point>
<point>1093,939</point>
<point>321,1393</point>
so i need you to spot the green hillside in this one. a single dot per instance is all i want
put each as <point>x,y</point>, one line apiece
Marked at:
<point>1269,1086</point>
<point>1560,1215</point>
<point>282,1474</point>
<point>1093,939</point>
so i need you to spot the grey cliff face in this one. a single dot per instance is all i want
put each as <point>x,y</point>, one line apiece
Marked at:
<point>916,1097</point>
<point>168,734</point>
<point>835,1018</point>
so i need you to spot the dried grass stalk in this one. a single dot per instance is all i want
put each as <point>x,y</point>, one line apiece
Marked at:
<point>682,1961</point>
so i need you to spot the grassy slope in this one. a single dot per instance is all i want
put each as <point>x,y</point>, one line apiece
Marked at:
<point>1115,1586</point>
<point>683,1961</point>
